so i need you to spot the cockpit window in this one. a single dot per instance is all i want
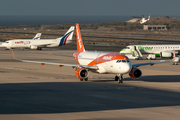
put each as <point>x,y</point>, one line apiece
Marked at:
<point>118,61</point>
<point>123,60</point>
<point>127,48</point>
<point>6,42</point>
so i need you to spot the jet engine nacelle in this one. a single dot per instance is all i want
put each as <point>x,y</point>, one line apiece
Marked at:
<point>135,73</point>
<point>34,47</point>
<point>166,54</point>
<point>82,73</point>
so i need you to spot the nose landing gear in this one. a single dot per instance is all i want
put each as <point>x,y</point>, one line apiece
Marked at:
<point>119,78</point>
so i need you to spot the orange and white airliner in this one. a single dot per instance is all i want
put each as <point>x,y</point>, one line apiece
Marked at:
<point>99,62</point>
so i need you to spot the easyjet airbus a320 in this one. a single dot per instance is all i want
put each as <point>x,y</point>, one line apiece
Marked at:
<point>99,62</point>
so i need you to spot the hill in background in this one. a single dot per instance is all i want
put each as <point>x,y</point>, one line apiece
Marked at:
<point>133,24</point>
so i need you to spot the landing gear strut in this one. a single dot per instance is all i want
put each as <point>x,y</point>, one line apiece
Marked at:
<point>119,78</point>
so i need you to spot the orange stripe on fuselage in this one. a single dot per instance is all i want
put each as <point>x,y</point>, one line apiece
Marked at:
<point>76,56</point>
<point>107,57</point>
<point>80,46</point>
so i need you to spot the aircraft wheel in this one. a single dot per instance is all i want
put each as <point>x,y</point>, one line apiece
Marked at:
<point>81,79</point>
<point>120,80</point>
<point>86,79</point>
<point>39,48</point>
<point>116,78</point>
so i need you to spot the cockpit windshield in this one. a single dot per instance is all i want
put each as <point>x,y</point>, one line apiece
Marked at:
<point>127,48</point>
<point>122,61</point>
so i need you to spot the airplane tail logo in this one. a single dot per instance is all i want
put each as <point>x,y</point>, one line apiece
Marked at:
<point>80,46</point>
<point>37,37</point>
<point>67,38</point>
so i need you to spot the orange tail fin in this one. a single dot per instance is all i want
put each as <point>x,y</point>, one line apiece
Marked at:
<point>80,46</point>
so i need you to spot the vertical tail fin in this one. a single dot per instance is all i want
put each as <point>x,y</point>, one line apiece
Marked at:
<point>37,37</point>
<point>67,38</point>
<point>80,46</point>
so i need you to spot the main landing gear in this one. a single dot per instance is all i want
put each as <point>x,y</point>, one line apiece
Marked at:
<point>86,79</point>
<point>119,78</point>
<point>39,48</point>
<point>175,63</point>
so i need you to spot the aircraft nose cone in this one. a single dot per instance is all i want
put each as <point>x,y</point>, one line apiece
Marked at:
<point>127,68</point>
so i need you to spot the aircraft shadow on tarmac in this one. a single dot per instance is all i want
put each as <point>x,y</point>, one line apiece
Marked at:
<point>65,97</point>
<point>157,78</point>
<point>160,78</point>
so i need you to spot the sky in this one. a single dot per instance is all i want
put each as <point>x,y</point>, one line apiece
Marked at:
<point>90,7</point>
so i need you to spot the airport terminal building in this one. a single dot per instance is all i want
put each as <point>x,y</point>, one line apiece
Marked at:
<point>154,27</point>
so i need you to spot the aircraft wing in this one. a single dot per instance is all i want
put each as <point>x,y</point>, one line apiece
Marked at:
<point>60,64</point>
<point>151,63</point>
<point>61,55</point>
<point>42,44</point>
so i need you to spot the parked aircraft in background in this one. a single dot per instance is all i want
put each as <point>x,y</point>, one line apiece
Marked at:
<point>37,37</point>
<point>39,43</point>
<point>144,20</point>
<point>164,51</point>
<point>99,62</point>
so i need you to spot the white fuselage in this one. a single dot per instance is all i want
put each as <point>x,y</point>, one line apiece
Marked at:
<point>106,62</point>
<point>151,49</point>
<point>27,43</point>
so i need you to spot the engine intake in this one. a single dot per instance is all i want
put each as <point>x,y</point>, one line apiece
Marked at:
<point>166,54</point>
<point>82,73</point>
<point>135,73</point>
<point>33,47</point>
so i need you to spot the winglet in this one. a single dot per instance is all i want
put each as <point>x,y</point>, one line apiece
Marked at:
<point>80,46</point>
<point>13,53</point>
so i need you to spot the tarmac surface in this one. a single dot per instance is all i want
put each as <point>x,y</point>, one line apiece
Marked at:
<point>33,92</point>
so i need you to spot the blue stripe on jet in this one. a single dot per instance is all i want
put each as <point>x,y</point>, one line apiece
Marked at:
<point>62,40</point>
<point>36,38</point>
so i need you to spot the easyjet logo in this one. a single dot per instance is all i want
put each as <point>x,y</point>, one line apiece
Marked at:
<point>79,38</point>
<point>107,57</point>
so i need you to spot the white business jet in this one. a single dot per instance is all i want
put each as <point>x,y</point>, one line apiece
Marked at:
<point>99,62</point>
<point>39,43</point>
